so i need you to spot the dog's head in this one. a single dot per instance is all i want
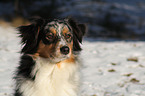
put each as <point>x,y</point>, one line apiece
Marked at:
<point>53,39</point>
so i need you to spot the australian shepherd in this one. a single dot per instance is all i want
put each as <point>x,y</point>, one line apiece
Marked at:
<point>49,60</point>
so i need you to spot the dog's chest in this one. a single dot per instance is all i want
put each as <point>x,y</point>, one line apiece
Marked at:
<point>50,80</point>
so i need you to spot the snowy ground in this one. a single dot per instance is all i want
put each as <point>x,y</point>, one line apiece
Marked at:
<point>111,68</point>
<point>108,72</point>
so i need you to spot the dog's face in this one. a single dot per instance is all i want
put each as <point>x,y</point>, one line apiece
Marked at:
<point>57,39</point>
<point>56,42</point>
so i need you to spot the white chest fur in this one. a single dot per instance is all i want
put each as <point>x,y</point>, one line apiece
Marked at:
<point>50,80</point>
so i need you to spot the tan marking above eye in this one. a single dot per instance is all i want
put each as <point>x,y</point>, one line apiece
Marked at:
<point>51,34</point>
<point>65,30</point>
<point>52,30</point>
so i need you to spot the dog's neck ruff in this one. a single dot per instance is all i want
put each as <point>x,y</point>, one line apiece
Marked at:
<point>51,80</point>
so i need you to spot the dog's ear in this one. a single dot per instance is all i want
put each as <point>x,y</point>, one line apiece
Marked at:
<point>78,32</point>
<point>29,35</point>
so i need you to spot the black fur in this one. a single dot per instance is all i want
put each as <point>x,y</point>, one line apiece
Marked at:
<point>17,93</point>
<point>25,68</point>
<point>24,71</point>
<point>30,35</point>
<point>78,32</point>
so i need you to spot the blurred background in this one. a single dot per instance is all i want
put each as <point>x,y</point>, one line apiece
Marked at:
<point>121,19</point>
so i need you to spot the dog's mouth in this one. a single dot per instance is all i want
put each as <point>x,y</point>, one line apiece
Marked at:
<point>60,54</point>
<point>58,58</point>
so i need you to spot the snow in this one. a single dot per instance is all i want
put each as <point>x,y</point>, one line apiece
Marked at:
<point>106,68</point>
<point>9,49</point>
<point>101,57</point>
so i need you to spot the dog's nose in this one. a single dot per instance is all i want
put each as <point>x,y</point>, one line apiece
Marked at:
<point>64,50</point>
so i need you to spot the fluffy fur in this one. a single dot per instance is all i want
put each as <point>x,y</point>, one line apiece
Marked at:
<point>49,63</point>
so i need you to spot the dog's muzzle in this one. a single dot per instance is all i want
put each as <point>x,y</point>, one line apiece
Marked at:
<point>64,50</point>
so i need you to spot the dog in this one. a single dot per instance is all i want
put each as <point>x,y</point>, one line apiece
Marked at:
<point>49,62</point>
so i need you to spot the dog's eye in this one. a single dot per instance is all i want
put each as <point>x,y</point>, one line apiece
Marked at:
<point>49,36</point>
<point>67,36</point>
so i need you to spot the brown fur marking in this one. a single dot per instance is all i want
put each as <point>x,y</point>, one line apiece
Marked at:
<point>70,60</point>
<point>46,51</point>
<point>65,30</point>
<point>53,30</point>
